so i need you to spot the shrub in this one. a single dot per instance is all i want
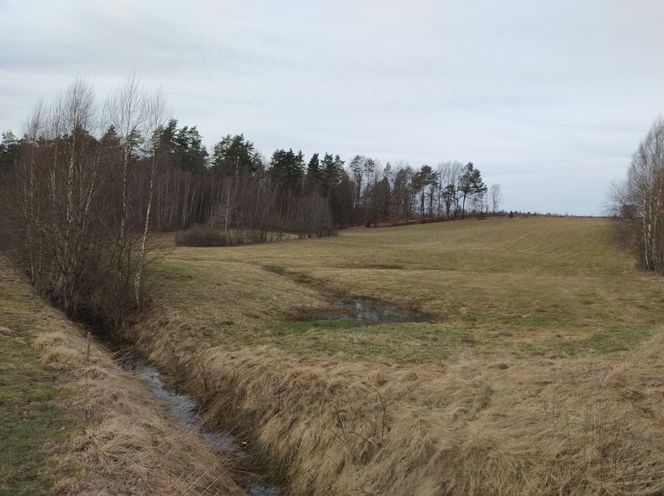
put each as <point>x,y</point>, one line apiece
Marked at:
<point>201,236</point>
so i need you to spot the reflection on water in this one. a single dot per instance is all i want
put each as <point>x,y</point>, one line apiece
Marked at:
<point>184,410</point>
<point>370,311</point>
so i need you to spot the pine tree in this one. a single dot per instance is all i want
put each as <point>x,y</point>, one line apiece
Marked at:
<point>470,185</point>
<point>9,148</point>
<point>234,156</point>
<point>287,168</point>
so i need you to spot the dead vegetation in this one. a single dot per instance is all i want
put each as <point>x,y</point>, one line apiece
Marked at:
<point>122,441</point>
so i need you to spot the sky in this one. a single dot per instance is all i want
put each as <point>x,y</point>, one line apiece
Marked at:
<point>548,98</point>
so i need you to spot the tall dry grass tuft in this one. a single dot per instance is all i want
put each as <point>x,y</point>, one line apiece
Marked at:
<point>583,426</point>
<point>125,443</point>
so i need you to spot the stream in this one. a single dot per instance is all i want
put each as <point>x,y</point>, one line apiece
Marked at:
<point>184,410</point>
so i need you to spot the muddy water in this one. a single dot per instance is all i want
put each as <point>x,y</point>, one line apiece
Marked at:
<point>184,411</point>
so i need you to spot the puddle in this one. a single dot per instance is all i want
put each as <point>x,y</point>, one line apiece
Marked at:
<point>184,410</point>
<point>368,311</point>
<point>359,309</point>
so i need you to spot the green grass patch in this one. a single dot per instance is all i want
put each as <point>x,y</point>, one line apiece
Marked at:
<point>610,340</point>
<point>33,419</point>
<point>401,342</point>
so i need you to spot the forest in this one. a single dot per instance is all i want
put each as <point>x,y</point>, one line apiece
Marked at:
<point>236,186</point>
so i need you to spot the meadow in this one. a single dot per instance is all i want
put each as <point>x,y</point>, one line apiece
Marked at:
<point>516,287</point>
<point>525,359</point>
<point>530,364</point>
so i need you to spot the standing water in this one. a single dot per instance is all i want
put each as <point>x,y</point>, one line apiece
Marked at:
<point>184,410</point>
<point>370,311</point>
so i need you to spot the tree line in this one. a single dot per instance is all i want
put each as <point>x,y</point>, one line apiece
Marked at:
<point>86,185</point>
<point>236,188</point>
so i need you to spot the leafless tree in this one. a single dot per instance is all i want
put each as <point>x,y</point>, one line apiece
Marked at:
<point>79,205</point>
<point>640,202</point>
<point>154,111</point>
<point>495,198</point>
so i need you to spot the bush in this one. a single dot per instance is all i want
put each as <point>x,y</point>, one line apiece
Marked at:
<point>200,236</point>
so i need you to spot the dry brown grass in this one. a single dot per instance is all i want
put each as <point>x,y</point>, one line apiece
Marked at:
<point>123,442</point>
<point>511,408</point>
<point>587,426</point>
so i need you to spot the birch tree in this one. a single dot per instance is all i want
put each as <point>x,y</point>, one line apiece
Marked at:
<point>495,198</point>
<point>154,118</point>
<point>640,202</point>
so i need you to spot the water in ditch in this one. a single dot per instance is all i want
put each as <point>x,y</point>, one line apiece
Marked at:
<point>184,410</point>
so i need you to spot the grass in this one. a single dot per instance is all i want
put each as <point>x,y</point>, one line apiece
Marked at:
<point>535,286</point>
<point>537,370</point>
<point>32,416</point>
<point>342,337</point>
<point>69,425</point>
<point>32,419</point>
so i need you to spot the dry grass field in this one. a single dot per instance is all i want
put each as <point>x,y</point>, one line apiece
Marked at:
<point>532,364</point>
<point>522,287</point>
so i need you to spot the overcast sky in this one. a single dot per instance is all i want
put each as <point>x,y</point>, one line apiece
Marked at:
<point>548,98</point>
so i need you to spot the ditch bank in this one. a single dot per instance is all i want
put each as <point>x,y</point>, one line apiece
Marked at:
<point>185,411</point>
<point>309,432</point>
<point>75,423</point>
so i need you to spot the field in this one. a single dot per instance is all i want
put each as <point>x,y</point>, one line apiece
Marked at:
<point>522,287</point>
<point>531,364</point>
<point>528,361</point>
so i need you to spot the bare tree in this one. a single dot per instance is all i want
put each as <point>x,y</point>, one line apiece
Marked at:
<point>640,202</point>
<point>495,198</point>
<point>79,205</point>
<point>154,118</point>
<point>126,113</point>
